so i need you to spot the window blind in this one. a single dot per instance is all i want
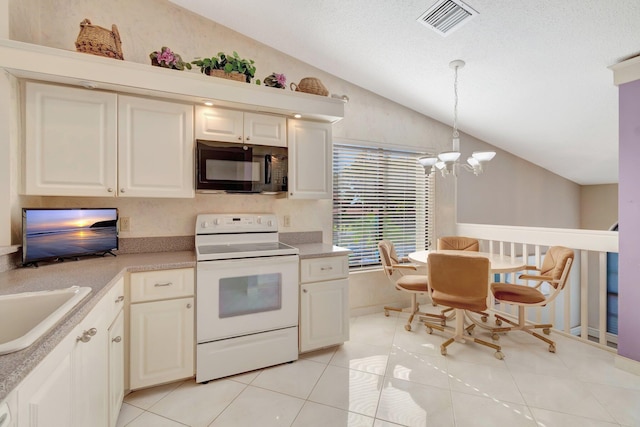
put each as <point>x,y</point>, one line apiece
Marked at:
<point>379,194</point>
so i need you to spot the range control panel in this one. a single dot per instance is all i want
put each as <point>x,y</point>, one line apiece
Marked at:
<point>236,223</point>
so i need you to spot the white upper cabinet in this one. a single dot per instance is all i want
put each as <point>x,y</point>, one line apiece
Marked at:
<point>218,124</point>
<point>310,151</point>
<point>81,142</point>
<point>155,151</point>
<point>71,140</point>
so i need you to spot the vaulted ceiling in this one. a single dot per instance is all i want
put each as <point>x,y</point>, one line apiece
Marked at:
<point>536,81</point>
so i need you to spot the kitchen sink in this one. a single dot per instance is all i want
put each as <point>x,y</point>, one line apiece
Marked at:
<point>26,316</point>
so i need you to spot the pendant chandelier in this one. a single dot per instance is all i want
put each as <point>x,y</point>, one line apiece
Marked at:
<point>447,161</point>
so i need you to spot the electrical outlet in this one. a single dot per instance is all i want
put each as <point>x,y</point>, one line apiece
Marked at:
<point>286,221</point>
<point>125,223</point>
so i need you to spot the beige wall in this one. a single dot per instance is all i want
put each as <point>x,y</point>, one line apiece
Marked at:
<point>598,206</point>
<point>5,107</point>
<point>146,25</point>
<point>513,191</point>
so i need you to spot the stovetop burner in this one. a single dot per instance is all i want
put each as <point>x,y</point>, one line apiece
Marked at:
<point>231,236</point>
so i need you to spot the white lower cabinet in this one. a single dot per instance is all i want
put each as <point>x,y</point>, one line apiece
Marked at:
<point>324,302</point>
<point>162,338</point>
<point>46,397</point>
<point>116,367</point>
<point>91,367</point>
<point>70,386</point>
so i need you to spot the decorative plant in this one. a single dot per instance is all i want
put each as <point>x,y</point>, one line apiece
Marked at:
<point>228,63</point>
<point>276,80</point>
<point>168,59</point>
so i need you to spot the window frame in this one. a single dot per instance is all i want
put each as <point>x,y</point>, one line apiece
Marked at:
<point>384,165</point>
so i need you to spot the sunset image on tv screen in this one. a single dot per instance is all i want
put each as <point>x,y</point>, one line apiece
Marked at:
<point>51,233</point>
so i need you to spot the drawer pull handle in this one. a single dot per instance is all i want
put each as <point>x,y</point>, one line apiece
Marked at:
<point>188,305</point>
<point>86,335</point>
<point>305,291</point>
<point>163,284</point>
<point>120,299</point>
<point>326,268</point>
<point>117,339</point>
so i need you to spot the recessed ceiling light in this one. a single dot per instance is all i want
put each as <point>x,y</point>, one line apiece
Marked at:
<point>297,116</point>
<point>88,85</point>
<point>208,103</point>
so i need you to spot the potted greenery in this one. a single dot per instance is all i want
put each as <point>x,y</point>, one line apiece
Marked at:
<point>227,66</point>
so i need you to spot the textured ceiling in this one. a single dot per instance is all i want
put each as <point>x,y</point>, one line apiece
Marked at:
<point>536,83</point>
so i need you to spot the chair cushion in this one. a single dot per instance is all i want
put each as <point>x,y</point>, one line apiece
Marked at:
<point>518,294</point>
<point>459,301</point>
<point>412,283</point>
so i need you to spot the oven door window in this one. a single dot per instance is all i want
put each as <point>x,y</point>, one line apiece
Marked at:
<point>249,294</point>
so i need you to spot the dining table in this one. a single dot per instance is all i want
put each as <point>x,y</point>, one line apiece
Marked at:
<point>499,263</point>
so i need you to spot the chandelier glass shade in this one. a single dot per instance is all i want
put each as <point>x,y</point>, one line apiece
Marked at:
<point>447,161</point>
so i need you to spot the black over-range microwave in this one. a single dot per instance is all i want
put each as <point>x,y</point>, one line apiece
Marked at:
<point>240,168</point>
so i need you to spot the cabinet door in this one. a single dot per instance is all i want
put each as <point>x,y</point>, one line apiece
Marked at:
<point>116,367</point>
<point>45,397</point>
<point>161,342</point>
<point>70,141</point>
<point>155,148</point>
<point>324,314</point>
<point>263,129</point>
<point>310,151</point>
<point>215,124</point>
<point>90,367</point>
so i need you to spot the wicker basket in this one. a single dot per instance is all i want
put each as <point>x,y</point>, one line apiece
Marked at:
<point>310,85</point>
<point>99,41</point>
<point>230,76</point>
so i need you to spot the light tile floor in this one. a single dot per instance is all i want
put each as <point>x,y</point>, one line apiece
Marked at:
<point>385,376</point>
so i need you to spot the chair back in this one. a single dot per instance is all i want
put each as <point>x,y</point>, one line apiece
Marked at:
<point>388,256</point>
<point>458,243</point>
<point>557,264</point>
<point>459,281</point>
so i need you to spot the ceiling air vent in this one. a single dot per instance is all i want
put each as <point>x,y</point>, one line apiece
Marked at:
<point>446,16</point>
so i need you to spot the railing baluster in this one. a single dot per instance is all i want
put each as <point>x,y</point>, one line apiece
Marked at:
<point>584,295</point>
<point>602,295</point>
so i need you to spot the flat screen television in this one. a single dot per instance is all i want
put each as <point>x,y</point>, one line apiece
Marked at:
<point>58,234</point>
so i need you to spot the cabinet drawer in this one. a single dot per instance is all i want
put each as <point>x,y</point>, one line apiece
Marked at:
<point>327,268</point>
<point>163,284</point>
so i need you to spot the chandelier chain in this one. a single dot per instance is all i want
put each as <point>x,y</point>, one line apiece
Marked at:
<point>455,103</point>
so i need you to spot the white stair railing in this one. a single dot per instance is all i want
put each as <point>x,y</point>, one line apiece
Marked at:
<point>581,309</point>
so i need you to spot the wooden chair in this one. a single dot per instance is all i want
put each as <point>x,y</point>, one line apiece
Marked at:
<point>398,271</point>
<point>461,243</point>
<point>555,271</point>
<point>462,283</point>
<point>458,243</point>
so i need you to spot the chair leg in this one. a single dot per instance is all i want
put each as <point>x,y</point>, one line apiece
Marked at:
<point>458,334</point>
<point>387,309</point>
<point>522,326</point>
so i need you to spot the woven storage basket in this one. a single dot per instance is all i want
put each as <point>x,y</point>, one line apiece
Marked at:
<point>99,41</point>
<point>310,85</point>
<point>230,76</point>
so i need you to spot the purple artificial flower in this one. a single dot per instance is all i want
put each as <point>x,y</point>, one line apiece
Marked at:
<point>281,79</point>
<point>166,57</point>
